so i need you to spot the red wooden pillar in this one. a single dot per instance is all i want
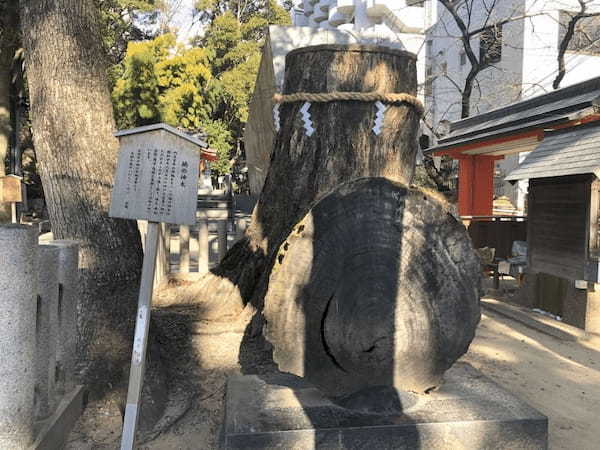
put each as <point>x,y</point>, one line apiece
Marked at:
<point>476,185</point>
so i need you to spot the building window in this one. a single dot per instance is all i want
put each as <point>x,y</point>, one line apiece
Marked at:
<point>586,37</point>
<point>463,58</point>
<point>429,82</point>
<point>490,45</point>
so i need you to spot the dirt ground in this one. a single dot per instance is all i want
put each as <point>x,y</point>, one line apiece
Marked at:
<point>559,378</point>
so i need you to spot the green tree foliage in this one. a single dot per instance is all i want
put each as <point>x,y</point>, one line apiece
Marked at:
<point>163,81</point>
<point>120,22</point>
<point>219,138</point>
<point>235,37</point>
<point>206,87</point>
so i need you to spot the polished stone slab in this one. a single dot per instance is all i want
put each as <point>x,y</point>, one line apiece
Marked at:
<point>282,411</point>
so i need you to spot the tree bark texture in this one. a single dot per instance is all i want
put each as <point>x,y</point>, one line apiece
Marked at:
<point>378,285</point>
<point>9,32</point>
<point>73,129</point>
<point>304,168</point>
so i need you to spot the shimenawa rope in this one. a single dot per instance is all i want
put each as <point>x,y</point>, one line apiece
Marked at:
<point>357,96</point>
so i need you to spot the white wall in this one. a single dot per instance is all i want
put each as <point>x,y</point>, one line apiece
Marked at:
<point>495,86</point>
<point>527,68</point>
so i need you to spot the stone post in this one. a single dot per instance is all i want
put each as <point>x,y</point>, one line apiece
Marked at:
<point>68,293</point>
<point>18,256</point>
<point>240,226</point>
<point>222,237</point>
<point>203,242</point>
<point>184,248</point>
<point>46,331</point>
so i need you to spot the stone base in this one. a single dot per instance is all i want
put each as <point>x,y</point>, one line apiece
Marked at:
<point>53,432</point>
<point>282,411</point>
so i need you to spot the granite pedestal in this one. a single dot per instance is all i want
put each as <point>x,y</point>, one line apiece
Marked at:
<point>47,329</point>
<point>469,411</point>
<point>18,264</point>
<point>66,349</point>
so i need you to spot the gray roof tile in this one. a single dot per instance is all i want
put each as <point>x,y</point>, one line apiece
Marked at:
<point>566,153</point>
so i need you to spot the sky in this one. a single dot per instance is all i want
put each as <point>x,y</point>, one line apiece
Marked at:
<point>183,19</point>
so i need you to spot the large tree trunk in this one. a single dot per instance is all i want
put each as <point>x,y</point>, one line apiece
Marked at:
<point>73,127</point>
<point>9,32</point>
<point>304,168</point>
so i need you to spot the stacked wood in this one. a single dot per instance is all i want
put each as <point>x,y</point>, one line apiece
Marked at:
<point>377,285</point>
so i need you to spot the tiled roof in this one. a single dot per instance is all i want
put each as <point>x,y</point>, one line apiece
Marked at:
<point>572,152</point>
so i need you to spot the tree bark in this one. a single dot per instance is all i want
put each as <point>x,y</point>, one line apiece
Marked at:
<point>9,32</point>
<point>73,127</point>
<point>305,168</point>
<point>378,285</point>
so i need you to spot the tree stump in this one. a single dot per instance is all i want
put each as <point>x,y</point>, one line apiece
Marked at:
<point>377,285</point>
<point>304,168</point>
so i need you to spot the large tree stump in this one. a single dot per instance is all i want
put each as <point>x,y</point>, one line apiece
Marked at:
<point>304,168</point>
<point>377,285</point>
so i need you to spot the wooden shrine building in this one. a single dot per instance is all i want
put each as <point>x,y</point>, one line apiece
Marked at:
<point>477,142</point>
<point>562,131</point>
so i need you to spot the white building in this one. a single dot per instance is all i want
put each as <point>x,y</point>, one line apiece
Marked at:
<point>522,54</point>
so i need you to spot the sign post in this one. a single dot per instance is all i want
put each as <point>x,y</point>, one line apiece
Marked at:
<point>156,180</point>
<point>11,192</point>
<point>140,340</point>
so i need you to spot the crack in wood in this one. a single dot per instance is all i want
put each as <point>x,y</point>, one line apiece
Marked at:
<point>324,341</point>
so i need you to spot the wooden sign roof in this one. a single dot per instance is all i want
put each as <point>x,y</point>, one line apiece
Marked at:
<point>206,153</point>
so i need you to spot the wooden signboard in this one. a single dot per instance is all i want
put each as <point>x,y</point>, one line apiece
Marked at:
<point>156,180</point>
<point>10,189</point>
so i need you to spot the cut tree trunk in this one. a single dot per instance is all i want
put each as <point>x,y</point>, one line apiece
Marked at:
<point>73,126</point>
<point>305,168</point>
<point>378,285</point>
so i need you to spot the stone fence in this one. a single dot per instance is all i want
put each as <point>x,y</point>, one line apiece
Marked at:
<point>38,329</point>
<point>187,252</point>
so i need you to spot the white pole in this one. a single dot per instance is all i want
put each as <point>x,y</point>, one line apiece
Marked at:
<point>13,212</point>
<point>140,340</point>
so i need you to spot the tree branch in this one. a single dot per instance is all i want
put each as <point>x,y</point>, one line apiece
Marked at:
<point>566,40</point>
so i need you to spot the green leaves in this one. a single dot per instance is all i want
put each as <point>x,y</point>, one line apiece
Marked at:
<point>206,87</point>
<point>162,80</point>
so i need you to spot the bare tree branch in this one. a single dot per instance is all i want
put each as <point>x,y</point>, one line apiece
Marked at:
<point>582,13</point>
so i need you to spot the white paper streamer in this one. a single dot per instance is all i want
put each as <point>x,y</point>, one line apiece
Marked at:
<point>276,119</point>
<point>306,118</point>
<point>379,116</point>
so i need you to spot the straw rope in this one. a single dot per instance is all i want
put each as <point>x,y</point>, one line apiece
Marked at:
<point>356,96</point>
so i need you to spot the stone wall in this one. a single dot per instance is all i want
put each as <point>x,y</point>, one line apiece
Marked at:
<point>38,291</point>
